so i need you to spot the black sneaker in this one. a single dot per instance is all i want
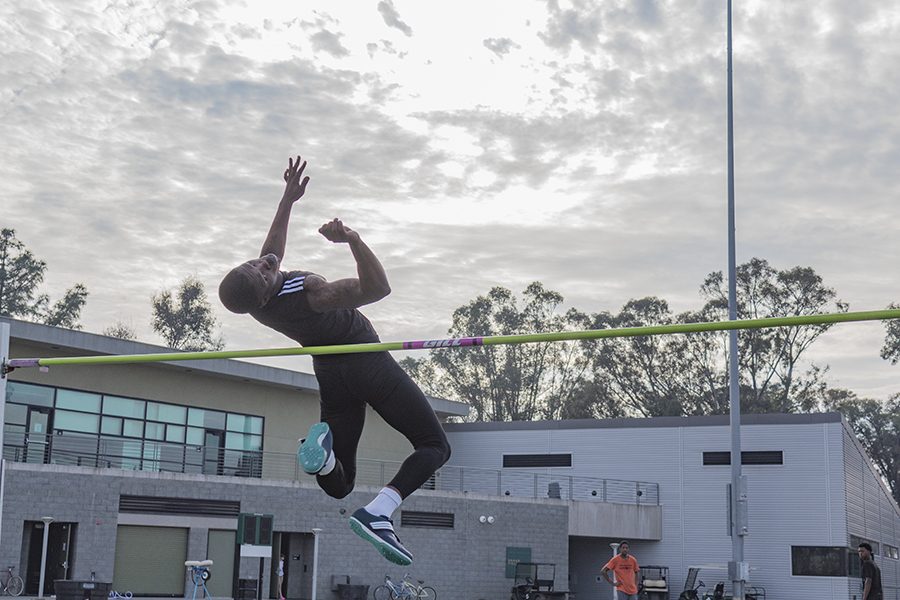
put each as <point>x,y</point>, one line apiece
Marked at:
<point>314,450</point>
<point>379,531</point>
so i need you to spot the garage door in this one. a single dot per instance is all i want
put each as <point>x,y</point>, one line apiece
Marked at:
<point>150,560</point>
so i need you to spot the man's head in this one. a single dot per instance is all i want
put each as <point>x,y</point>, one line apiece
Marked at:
<point>864,550</point>
<point>250,285</point>
<point>623,548</point>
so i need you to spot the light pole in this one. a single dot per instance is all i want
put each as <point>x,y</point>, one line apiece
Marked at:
<point>615,549</point>
<point>316,531</point>
<point>737,568</point>
<point>47,521</point>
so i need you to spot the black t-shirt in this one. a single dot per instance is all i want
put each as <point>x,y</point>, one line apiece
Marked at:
<point>870,571</point>
<point>288,312</point>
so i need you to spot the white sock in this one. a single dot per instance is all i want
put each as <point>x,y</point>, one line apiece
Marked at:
<point>329,465</point>
<point>385,503</point>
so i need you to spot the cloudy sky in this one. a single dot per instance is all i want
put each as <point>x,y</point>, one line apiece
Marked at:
<point>472,144</point>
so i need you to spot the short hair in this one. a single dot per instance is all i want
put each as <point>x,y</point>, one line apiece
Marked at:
<point>865,545</point>
<point>624,543</point>
<point>237,292</point>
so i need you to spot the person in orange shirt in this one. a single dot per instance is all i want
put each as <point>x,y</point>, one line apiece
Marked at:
<point>626,569</point>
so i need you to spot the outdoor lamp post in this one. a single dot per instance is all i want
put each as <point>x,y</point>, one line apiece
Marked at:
<point>316,531</point>
<point>47,521</point>
<point>615,549</point>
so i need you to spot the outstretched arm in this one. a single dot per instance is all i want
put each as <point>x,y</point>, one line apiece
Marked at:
<point>295,187</point>
<point>370,286</point>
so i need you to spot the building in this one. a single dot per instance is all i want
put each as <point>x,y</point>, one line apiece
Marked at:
<point>144,466</point>
<point>813,495</point>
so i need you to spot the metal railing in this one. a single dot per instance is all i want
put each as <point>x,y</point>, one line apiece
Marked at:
<point>99,451</point>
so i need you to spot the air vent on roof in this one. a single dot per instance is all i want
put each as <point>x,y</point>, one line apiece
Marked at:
<point>750,457</point>
<point>178,506</point>
<point>537,460</point>
<point>412,518</point>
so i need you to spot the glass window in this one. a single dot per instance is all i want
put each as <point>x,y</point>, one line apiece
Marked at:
<point>245,424</point>
<point>154,431</point>
<point>82,401</point>
<point>123,407</point>
<point>25,393</point>
<point>175,433</point>
<point>819,561</point>
<point>73,421</point>
<point>111,426</point>
<point>237,422</point>
<point>242,441</point>
<point>16,414</point>
<point>195,436</point>
<point>210,419</point>
<point>132,428</point>
<point>855,541</point>
<point>168,413</point>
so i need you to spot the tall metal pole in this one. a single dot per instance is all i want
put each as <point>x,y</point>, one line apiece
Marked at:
<point>737,568</point>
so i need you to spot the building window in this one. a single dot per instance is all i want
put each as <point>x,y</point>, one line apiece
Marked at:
<point>90,429</point>
<point>518,461</point>
<point>819,561</point>
<point>752,457</point>
<point>855,541</point>
<point>891,552</point>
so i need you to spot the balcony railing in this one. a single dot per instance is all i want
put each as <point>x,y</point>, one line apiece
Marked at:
<point>149,455</point>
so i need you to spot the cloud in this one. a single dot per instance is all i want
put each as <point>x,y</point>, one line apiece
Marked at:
<point>330,42</point>
<point>145,142</point>
<point>500,46</point>
<point>392,17</point>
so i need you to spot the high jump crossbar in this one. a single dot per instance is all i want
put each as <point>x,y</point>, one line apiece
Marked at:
<point>494,340</point>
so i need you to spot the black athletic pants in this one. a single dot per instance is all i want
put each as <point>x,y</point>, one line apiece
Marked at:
<point>346,384</point>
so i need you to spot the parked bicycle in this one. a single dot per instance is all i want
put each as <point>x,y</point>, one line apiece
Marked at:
<point>13,585</point>
<point>405,590</point>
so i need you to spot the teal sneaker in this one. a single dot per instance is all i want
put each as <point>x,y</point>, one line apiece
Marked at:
<point>314,451</point>
<point>379,531</point>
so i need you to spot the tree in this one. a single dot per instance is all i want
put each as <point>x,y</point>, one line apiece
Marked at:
<point>652,376</point>
<point>877,426</point>
<point>20,275</point>
<point>769,358</point>
<point>120,330</point>
<point>891,349</point>
<point>188,323</point>
<point>509,382</point>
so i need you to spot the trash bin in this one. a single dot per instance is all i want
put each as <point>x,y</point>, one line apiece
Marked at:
<point>246,589</point>
<point>70,589</point>
<point>352,592</point>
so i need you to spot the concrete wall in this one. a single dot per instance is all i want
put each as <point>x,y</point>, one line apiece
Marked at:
<point>608,520</point>
<point>467,561</point>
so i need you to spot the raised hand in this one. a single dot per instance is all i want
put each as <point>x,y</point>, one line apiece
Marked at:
<point>295,183</point>
<point>335,231</point>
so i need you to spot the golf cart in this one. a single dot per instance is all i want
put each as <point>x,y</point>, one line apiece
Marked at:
<point>534,581</point>
<point>654,583</point>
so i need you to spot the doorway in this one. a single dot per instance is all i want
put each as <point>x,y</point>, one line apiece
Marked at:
<point>37,436</point>
<point>60,539</point>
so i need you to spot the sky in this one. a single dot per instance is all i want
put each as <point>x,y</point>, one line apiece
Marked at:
<point>472,145</point>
